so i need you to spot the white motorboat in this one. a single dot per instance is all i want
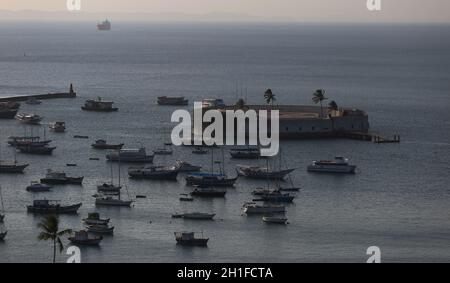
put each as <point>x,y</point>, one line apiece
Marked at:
<point>338,165</point>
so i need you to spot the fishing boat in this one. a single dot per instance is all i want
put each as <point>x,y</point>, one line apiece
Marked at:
<point>154,172</point>
<point>252,208</point>
<point>99,105</point>
<point>202,179</point>
<point>183,166</point>
<point>199,150</point>
<point>245,153</point>
<point>208,192</point>
<point>100,229</point>
<point>165,100</point>
<point>257,172</point>
<point>338,165</point>
<point>102,144</point>
<point>130,155</point>
<point>36,187</point>
<point>83,238</point>
<point>33,101</point>
<point>189,239</point>
<point>52,207</point>
<point>195,216</point>
<point>94,219</point>
<point>40,150</point>
<point>274,220</point>
<point>31,119</point>
<point>54,177</point>
<point>57,127</point>
<point>12,167</point>
<point>27,141</point>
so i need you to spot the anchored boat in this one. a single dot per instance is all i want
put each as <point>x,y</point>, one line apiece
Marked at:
<point>102,144</point>
<point>53,177</point>
<point>183,166</point>
<point>94,219</point>
<point>195,216</point>
<point>99,105</point>
<point>83,238</point>
<point>154,172</point>
<point>257,172</point>
<point>338,165</point>
<point>57,127</point>
<point>165,100</point>
<point>252,208</point>
<point>52,207</point>
<point>130,155</point>
<point>36,187</point>
<point>31,119</point>
<point>189,239</point>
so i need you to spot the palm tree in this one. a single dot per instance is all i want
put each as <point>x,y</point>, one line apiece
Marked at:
<point>50,231</point>
<point>269,97</point>
<point>319,96</point>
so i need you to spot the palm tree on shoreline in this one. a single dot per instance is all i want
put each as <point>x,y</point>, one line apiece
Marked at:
<point>269,97</point>
<point>319,96</point>
<point>50,231</point>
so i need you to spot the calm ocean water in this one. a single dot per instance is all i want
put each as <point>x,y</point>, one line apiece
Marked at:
<point>399,199</point>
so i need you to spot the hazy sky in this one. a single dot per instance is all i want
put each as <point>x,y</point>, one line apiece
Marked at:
<point>297,10</point>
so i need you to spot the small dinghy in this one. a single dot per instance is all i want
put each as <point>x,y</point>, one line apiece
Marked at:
<point>38,187</point>
<point>274,220</point>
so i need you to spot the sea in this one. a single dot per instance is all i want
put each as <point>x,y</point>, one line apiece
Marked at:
<point>398,200</point>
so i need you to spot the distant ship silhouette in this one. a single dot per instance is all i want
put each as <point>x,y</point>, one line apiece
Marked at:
<point>105,25</point>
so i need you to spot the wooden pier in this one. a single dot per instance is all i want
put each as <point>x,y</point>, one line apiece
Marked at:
<point>18,98</point>
<point>373,137</point>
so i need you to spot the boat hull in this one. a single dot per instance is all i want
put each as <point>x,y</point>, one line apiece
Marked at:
<point>88,242</point>
<point>170,176</point>
<point>350,169</point>
<point>71,209</point>
<point>15,169</point>
<point>193,242</point>
<point>107,146</point>
<point>114,109</point>
<point>275,175</point>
